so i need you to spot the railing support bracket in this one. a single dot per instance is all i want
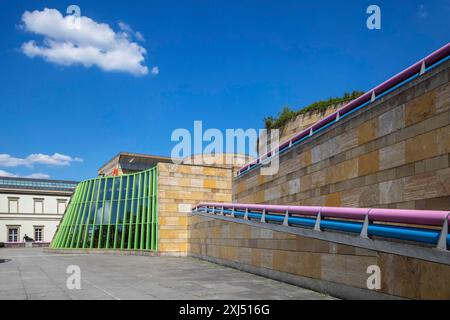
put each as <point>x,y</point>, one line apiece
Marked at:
<point>318,219</point>
<point>286,219</point>
<point>442,242</point>
<point>423,68</point>
<point>246,214</point>
<point>365,228</point>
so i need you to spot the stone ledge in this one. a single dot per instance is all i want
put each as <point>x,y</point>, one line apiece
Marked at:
<point>23,244</point>
<point>102,251</point>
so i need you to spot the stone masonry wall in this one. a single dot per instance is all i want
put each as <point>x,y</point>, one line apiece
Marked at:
<point>180,187</point>
<point>329,267</point>
<point>394,153</point>
<point>301,122</point>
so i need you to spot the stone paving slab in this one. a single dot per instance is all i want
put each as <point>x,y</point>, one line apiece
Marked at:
<point>35,274</point>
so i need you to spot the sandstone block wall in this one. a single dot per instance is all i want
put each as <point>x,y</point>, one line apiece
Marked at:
<point>394,153</point>
<point>329,267</point>
<point>180,187</point>
<point>301,122</point>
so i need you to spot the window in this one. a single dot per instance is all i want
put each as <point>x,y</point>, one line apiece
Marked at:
<point>38,233</point>
<point>13,234</point>
<point>38,205</point>
<point>13,205</point>
<point>61,206</point>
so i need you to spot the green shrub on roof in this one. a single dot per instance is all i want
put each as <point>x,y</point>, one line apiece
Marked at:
<point>287,114</point>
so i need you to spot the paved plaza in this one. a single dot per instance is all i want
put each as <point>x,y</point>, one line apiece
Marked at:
<point>32,273</point>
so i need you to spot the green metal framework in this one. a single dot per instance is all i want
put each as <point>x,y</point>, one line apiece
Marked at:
<point>112,213</point>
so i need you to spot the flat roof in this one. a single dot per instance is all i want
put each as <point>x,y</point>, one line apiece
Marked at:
<point>37,184</point>
<point>137,155</point>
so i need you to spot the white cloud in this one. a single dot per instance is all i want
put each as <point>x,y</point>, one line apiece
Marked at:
<point>70,40</point>
<point>130,33</point>
<point>56,159</point>
<point>139,36</point>
<point>155,70</point>
<point>4,173</point>
<point>422,13</point>
<point>7,161</point>
<point>38,176</point>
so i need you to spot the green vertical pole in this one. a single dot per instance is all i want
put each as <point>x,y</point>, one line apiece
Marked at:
<point>131,212</point>
<point>83,213</point>
<point>68,216</point>
<point>155,210</point>
<point>64,220</point>
<point>122,242</point>
<point>149,209</point>
<point>144,210</point>
<point>67,232</point>
<point>119,205</point>
<point>94,188</point>
<point>103,213</point>
<point>139,199</point>
<point>110,211</point>
<point>96,209</point>
<point>67,235</point>
<point>75,222</point>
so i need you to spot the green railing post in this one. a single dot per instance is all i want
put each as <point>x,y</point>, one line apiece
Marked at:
<point>149,210</point>
<point>119,204</point>
<point>95,213</point>
<point>100,233</point>
<point>144,210</point>
<point>64,220</point>
<point>82,214</point>
<point>110,211</point>
<point>138,215</point>
<point>92,207</point>
<point>76,219</point>
<point>67,236</point>
<point>131,213</point>
<point>122,241</point>
<point>155,210</point>
<point>93,199</point>
<point>68,217</point>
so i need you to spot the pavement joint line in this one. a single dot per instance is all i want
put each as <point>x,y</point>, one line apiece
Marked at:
<point>53,281</point>
<point>87,281</point>
<point>117,281</point>
<point>23,283</point>
<point>101,289</point>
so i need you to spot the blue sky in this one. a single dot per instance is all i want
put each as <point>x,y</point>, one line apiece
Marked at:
<point>227,63</point>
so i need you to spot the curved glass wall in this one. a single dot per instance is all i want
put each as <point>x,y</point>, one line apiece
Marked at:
<point>112,213</point>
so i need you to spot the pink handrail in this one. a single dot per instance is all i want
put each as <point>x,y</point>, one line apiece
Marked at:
<point>417,217</point>
<point>381,88</point>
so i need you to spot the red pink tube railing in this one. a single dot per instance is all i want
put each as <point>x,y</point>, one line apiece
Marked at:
<point>428,219</point>
<point>417,68</point>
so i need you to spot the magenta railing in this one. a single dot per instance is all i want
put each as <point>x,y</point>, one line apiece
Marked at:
<point>417,68</point>
<point>372,218</point>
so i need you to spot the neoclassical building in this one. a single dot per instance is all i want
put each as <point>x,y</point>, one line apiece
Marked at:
<point>32,207</point>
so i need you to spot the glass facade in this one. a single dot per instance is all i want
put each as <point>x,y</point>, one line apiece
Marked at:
<point>112,213</point>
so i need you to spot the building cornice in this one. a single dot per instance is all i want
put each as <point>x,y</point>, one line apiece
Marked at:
<point>36,192</point>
